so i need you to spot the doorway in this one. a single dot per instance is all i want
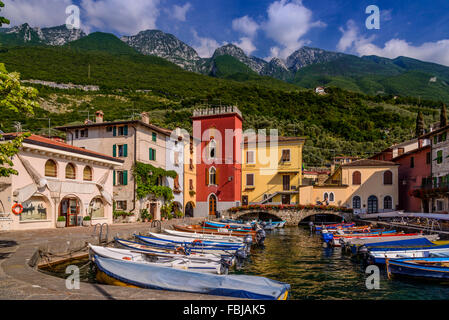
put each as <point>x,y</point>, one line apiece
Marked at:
<point>285,199</point>
<point>373,206</point>
<point>212,205</point>
<point>70,209</point>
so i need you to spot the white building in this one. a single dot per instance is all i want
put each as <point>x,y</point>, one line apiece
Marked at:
<point>56,179</point>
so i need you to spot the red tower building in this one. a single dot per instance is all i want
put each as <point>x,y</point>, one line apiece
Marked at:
<point>217,133</point>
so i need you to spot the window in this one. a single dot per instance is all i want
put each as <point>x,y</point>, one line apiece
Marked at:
<point>96,208</point>
<point>356,202</point>
<point>108,129</point>
<point>154,136</point>
<point>84,133</point>
<point>440,205</point>
<point>212,176</point>
<point>400,151</point>
<point>286,183</point>
<point>412,162</point>
<point>191,164</point>
<point>435,139</point>
<point>120,131</point>
<point>388,178</point>
<point>152,154</point>
<point>50,169</point>
<point>34,209</point>
<point>357,178</point>
<point>250,157</point>
<point>326,196</point>
<point>244,200</point>
<point>428,158</point>
<point>70,172</point>
<point>388,203</point>
<point>123,150</point>
<point>439,157</point>
<point>76,134</point>
<point>120,205</point>
<point>87,173</point>
<point>285,155</point>
<point>331,197</point>
<point>122,178</point>
<point>191,184</point>
<point>250,179</point>
<point>212,149</point>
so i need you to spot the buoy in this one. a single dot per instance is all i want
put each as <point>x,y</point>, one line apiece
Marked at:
<point>14,209</point>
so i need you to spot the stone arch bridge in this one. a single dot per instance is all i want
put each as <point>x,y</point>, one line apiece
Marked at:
<point>292,216</point>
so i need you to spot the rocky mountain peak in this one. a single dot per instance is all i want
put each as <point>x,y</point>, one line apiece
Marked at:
<point>306,56</point>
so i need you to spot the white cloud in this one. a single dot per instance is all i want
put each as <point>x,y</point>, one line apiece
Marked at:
<point>248,27</point>
<point>246,44</point>
<point>205,47</point>
<point>179,13</point>
<point>288,22</point>
<point>43,13</point>
<point>353,41</point>
<point>124,17</point>
<point>245,25</point>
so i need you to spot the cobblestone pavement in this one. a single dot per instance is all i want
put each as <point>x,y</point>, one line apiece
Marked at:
<point>19,281</point>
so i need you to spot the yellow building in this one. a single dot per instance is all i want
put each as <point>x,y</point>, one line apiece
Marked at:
<point>272,170</point>
<point>189,179</point>
<point>367,186</point>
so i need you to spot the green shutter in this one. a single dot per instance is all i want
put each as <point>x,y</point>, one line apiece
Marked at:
<point>125,130</point>
<point>114,150</point>
<point>125,150</point>
<point>114,131</point>
<point>154,154</point>
<point>113,178</point>
<point>125,177</point>
<point>154,136</point>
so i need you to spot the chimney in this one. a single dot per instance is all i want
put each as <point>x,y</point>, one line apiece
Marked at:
<point>145,117</point>
<point>99,116</point>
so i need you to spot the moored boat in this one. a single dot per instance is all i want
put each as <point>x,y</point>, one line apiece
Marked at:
<point>380,254</point>
<point>219,231</point>
<point>178,262</point>
<point>121,273</point>
<point>426,268</point>
<point>204,236</point>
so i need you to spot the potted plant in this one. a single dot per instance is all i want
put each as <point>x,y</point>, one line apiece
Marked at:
<point>87,221</point>
<point>144,215</point>
<point>61,222</point>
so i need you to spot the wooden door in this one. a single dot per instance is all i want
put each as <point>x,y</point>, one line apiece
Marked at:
<point>212,205</point>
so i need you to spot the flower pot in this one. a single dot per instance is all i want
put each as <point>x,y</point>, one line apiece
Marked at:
<point>60,224</point>
<point>87,223</point>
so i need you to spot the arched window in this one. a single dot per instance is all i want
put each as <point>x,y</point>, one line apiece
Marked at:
<point>51,169</point>
<point>326,196</point>
<point>388,177</point>
<point>331,196</point>
<point>388,203</point>
<point>87,173</point>
<point>357,178</point>
<point>212,149</point>
<point>356,202</point>
<point>212,176</point>
<point>70,172</point>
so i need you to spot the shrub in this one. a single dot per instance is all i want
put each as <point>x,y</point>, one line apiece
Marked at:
<point>61,218</point>
<point>86,218</point>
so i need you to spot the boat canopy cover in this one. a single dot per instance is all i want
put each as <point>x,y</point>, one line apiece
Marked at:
<point>406,242</point>
<point>155,277</point>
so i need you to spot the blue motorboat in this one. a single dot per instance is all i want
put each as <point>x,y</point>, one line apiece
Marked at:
<point>123,273</point>
<point>426,268</point>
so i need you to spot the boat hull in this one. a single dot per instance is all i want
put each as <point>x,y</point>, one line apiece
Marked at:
<point>406,267</point>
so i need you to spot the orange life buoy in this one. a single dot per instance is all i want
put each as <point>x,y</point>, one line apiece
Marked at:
<point>227,226</point>
<point>14,209</point>
<point>197,241</point>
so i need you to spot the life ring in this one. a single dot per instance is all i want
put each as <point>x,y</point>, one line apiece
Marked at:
<point>227,226</point>
<point>196,241</point>
<point>14,209</point>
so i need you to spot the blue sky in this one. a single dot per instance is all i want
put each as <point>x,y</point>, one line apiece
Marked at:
<point>264,28</point>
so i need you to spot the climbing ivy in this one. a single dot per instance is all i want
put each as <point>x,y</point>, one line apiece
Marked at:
<point>147,177</point>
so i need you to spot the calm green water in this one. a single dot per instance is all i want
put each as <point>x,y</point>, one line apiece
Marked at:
<point>292,255</point>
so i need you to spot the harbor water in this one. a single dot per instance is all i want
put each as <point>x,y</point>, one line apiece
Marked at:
<point>295,256</point>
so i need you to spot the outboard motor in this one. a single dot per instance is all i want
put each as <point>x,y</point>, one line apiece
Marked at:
<point>260,236</point>
<point>311,226</point>
<point>225,263</point>
<point>363,252</point>
<point>248,241</point>
<point>241,255</point>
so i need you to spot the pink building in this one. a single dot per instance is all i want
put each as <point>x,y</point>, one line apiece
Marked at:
<point>414,170</point>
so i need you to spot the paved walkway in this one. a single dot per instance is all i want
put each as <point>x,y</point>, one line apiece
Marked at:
<point>18,280</point>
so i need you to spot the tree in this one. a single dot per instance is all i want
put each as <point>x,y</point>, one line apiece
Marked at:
<point>3,20</point>
<point>443,116</point>
<point>13,97</point>
<point>419,125</point>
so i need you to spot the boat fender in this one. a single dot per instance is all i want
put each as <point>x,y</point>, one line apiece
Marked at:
<point>195,242</point>
<point>180,250</point>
